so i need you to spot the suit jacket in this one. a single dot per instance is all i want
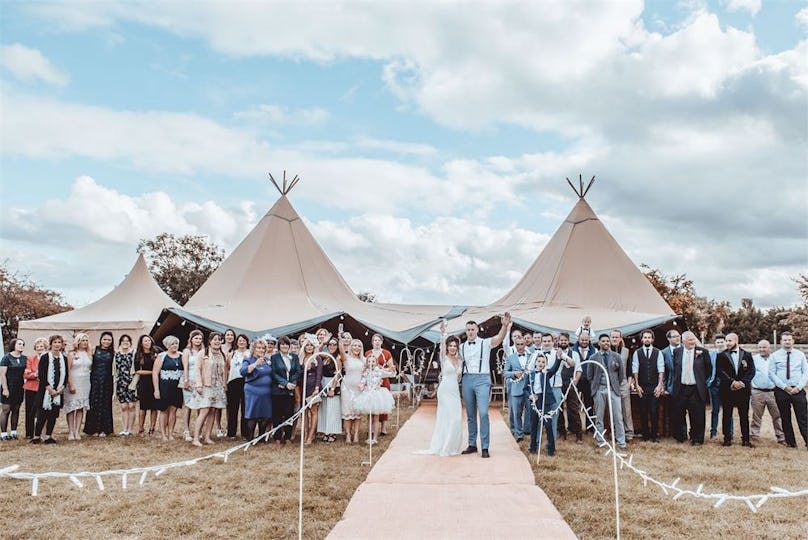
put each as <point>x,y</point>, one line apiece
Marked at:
<point>726,373</point>
<point>702,370</point>
<point>547,396</point>
<point>516,387</point>
<point>614,366</point>
<point>667,356</point>
<point>281,377</point>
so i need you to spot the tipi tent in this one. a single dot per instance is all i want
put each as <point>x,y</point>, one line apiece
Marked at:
<point>279,280</point>
<point>130,308</point>
<point>581,271</point>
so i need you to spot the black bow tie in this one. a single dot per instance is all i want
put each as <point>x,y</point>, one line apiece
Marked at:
<point>472,342</point>
<point>733,352</point>
<point>521,355</point>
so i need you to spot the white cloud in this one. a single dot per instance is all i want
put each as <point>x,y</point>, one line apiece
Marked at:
<point>802,18</point>
<point>750,6</point>
<point>29,64</point>
<point>277,114</point>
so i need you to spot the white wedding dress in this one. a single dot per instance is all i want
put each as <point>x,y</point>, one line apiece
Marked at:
<point>447,438</point>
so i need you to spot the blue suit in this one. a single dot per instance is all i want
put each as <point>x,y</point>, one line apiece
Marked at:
<point>517,396</point>
<point>545,402</point>
<point>714,385</point>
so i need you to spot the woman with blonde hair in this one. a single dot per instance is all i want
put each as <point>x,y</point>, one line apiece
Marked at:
<point>190,356</point>
<point>353,365</point>
<point>210,381</point>
<point>167,378</point>
<point>313,379</point>
<point>77,397</point>
<point>31,385</point>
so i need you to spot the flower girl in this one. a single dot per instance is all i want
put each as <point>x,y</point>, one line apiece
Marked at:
<point>373,398</point>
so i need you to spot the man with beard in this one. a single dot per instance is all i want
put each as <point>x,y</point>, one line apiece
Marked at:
<point>674,342</point>
<point>618,346</point>
<point>736,368</point>
<point>648,367</point>
<point>604,393</point>
<point>570,370</point>
<point>585,352</point>
<point>720,341</point>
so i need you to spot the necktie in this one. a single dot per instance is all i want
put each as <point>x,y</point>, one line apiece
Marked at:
<point>788,365</point>
<point>689,366</point>
<point>648,352</point>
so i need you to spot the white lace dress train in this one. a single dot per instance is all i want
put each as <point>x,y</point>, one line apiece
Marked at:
<point>447,438</point>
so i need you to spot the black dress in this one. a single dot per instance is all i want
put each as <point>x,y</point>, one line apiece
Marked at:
<point>15,366</point>
<point>99,417</point>
<point>145,385</point>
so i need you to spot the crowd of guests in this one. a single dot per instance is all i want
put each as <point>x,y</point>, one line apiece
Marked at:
<point>685,376</point>
<point>258,385</point>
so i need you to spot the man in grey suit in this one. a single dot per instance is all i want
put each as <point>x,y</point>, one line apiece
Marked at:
<point>516,379</point>
<point>604,392</point>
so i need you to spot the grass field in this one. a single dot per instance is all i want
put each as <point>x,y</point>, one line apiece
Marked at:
<point>254,494</point>
<point>578,479</point>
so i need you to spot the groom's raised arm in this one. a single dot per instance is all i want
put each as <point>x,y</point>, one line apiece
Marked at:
<point>496,341</point>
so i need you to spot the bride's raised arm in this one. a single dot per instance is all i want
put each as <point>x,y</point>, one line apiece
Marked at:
<point>442,341</point>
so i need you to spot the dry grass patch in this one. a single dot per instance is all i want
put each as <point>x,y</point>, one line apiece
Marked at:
<point>578,479</point>
<point>253,494</point>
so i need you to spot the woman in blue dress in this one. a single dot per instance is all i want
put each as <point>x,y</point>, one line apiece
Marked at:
<point>257,373</point>
<point>166,378</point>
<point>99,417</point>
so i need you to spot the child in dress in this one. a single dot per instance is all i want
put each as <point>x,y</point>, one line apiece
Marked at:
<point>374,399</point>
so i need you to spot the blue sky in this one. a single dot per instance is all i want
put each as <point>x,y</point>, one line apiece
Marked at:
<point>433,139</point>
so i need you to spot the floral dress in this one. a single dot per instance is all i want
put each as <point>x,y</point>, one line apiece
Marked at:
<point>123,369</point>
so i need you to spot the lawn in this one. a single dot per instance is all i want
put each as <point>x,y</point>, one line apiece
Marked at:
<point>579,481</point>
<point>254,494</point>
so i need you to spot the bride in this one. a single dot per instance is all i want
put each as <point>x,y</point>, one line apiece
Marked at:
<point>447,439</point>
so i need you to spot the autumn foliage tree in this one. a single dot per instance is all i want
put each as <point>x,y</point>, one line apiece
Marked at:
<point>22,299</point>
<point>181,264</point>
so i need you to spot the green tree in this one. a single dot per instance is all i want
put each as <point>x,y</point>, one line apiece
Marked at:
<point>181,264</point>
<point>22,299</point>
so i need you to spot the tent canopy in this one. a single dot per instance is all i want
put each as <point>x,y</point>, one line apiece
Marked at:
<point>131,308</point>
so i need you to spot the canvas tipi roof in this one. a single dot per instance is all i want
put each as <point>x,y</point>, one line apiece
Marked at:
<point>279,280</point>
<point>581,271</point>
<point>131,307</point>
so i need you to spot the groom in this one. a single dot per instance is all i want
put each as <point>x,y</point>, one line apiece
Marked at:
<point>476,354</point>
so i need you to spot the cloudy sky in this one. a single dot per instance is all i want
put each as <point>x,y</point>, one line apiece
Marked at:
<point>432,139</point>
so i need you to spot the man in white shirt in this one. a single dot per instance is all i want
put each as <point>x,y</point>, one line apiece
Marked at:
<point>556,382</point>
<point>476,381</point>
<point>648,367</point>
<point>515,379</point>
<point>763,394</point>
<point>788,369</point>
<point>618,346</point>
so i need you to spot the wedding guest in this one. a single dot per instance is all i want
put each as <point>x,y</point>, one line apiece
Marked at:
<point>543,400</point>
<point>124,387</point>
<point>190,356</point>
<point>286,372</point>
<point>586,326</point>
<point>228,347</point>
<point>257,389</point>
<point>571,364</point>
<point>603,393</point>
<point>385,359</point>
<point>235,388</point>
<point>674,342</point>
<point>167,379</point>
<point>12,368</point>
<point>736,368</point>
<point>353,364</point>
<point>145,355</point>
<point>99,416</point>
<point>52,382</point>
<point>788,369</point>
<point>691,371</point>
<point>31,385</point>
<point>210,388</point>
<point>312,378</point>
<point>648,366</point>
<point>763,394</point>
<point>329,419</point>
<point>516,380</point>
<point>294,346</point>
<point>323,336</point>
<point>374,399</point>
<point>619,346</point>
<point>714,384</point>
<point>77,398</point>
<point>586,351</point>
